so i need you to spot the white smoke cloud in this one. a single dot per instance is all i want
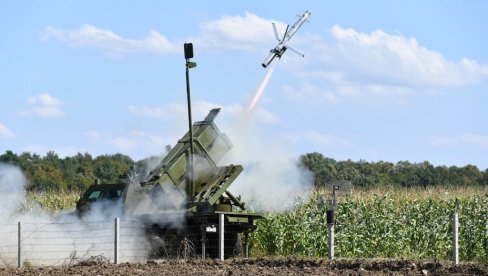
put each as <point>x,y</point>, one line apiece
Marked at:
<point>5,132</point>
<point>272,179</point>
<point>12,191</point>
<point>59,238</point>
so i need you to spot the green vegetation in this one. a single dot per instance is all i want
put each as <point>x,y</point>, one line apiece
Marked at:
<point>76,173</point>
<point>401,210</point>
<point>411,223</point>
<point>51,173</point>
<point>370,223</point>
<point>403,173</point>
<point>54,202</point>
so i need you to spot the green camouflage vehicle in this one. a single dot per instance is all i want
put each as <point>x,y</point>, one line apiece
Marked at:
<point>180,215</point>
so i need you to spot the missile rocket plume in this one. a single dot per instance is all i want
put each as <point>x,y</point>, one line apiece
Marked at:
<point>260,91</point>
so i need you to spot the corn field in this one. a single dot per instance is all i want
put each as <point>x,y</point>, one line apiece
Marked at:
<point>379,226</point>
<point>405,223</point>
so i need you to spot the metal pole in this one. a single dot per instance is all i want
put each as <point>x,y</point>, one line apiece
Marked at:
<point>330,224</point>
<point>190,126</point>
<point>116,241</point>
<point>221,237</point>
<point>455,244</point>
<point>331,241</point>
<point>246,241</point>
<point>204,237</point>
<point>19,249</point>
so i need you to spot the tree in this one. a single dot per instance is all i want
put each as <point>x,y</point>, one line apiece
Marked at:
<point>9,157</point>
<point>47,178</point>
<point>110,168</point>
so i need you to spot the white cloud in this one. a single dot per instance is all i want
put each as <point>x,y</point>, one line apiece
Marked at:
<point>246,32</point>
<point>396,58</point>
<point>243,32</point>
<point>6,132</point>
<point>472,139</point>
<point>45,105</point>
<point>374,67</point>
<point>110,42</point>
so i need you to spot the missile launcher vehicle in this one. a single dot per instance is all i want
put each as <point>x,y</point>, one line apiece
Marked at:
<point>180,200</point>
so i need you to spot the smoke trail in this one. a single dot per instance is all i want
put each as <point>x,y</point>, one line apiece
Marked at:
<point>272,179</point>
<point>260,90</point>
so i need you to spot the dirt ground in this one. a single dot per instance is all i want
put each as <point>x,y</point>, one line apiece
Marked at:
<point>259,266</point>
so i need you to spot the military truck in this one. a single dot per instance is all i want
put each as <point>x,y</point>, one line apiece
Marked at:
<point>180,200</point>
<point>101,194</point>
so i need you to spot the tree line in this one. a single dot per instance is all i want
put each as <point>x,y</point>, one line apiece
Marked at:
<point>54,174</point>
<point>76,173</point>
<point>403,173</point>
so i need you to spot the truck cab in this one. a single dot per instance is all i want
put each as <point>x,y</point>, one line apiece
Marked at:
<point>104,194</point>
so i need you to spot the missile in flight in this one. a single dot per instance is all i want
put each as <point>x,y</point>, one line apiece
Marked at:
<point>283,45</point>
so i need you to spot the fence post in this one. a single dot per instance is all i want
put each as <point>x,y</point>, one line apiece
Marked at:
<point>204,238</point>
<point>331,241</point>
<point>221,237</point>
<point>19,249</point>
<point>455,231</point>
<point>116,241</point>
<point>246,241</point>
<point>330,224</point>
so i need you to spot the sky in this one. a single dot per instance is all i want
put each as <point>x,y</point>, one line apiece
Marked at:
<point>380,80</point>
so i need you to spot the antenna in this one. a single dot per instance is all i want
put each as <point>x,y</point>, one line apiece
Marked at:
<point>188,49</point>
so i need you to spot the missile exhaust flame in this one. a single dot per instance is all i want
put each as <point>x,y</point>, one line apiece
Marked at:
<point>260,91</point>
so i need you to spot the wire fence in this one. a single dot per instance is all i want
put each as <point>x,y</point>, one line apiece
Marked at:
<point>115,241</point>
<point>52,243</point>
